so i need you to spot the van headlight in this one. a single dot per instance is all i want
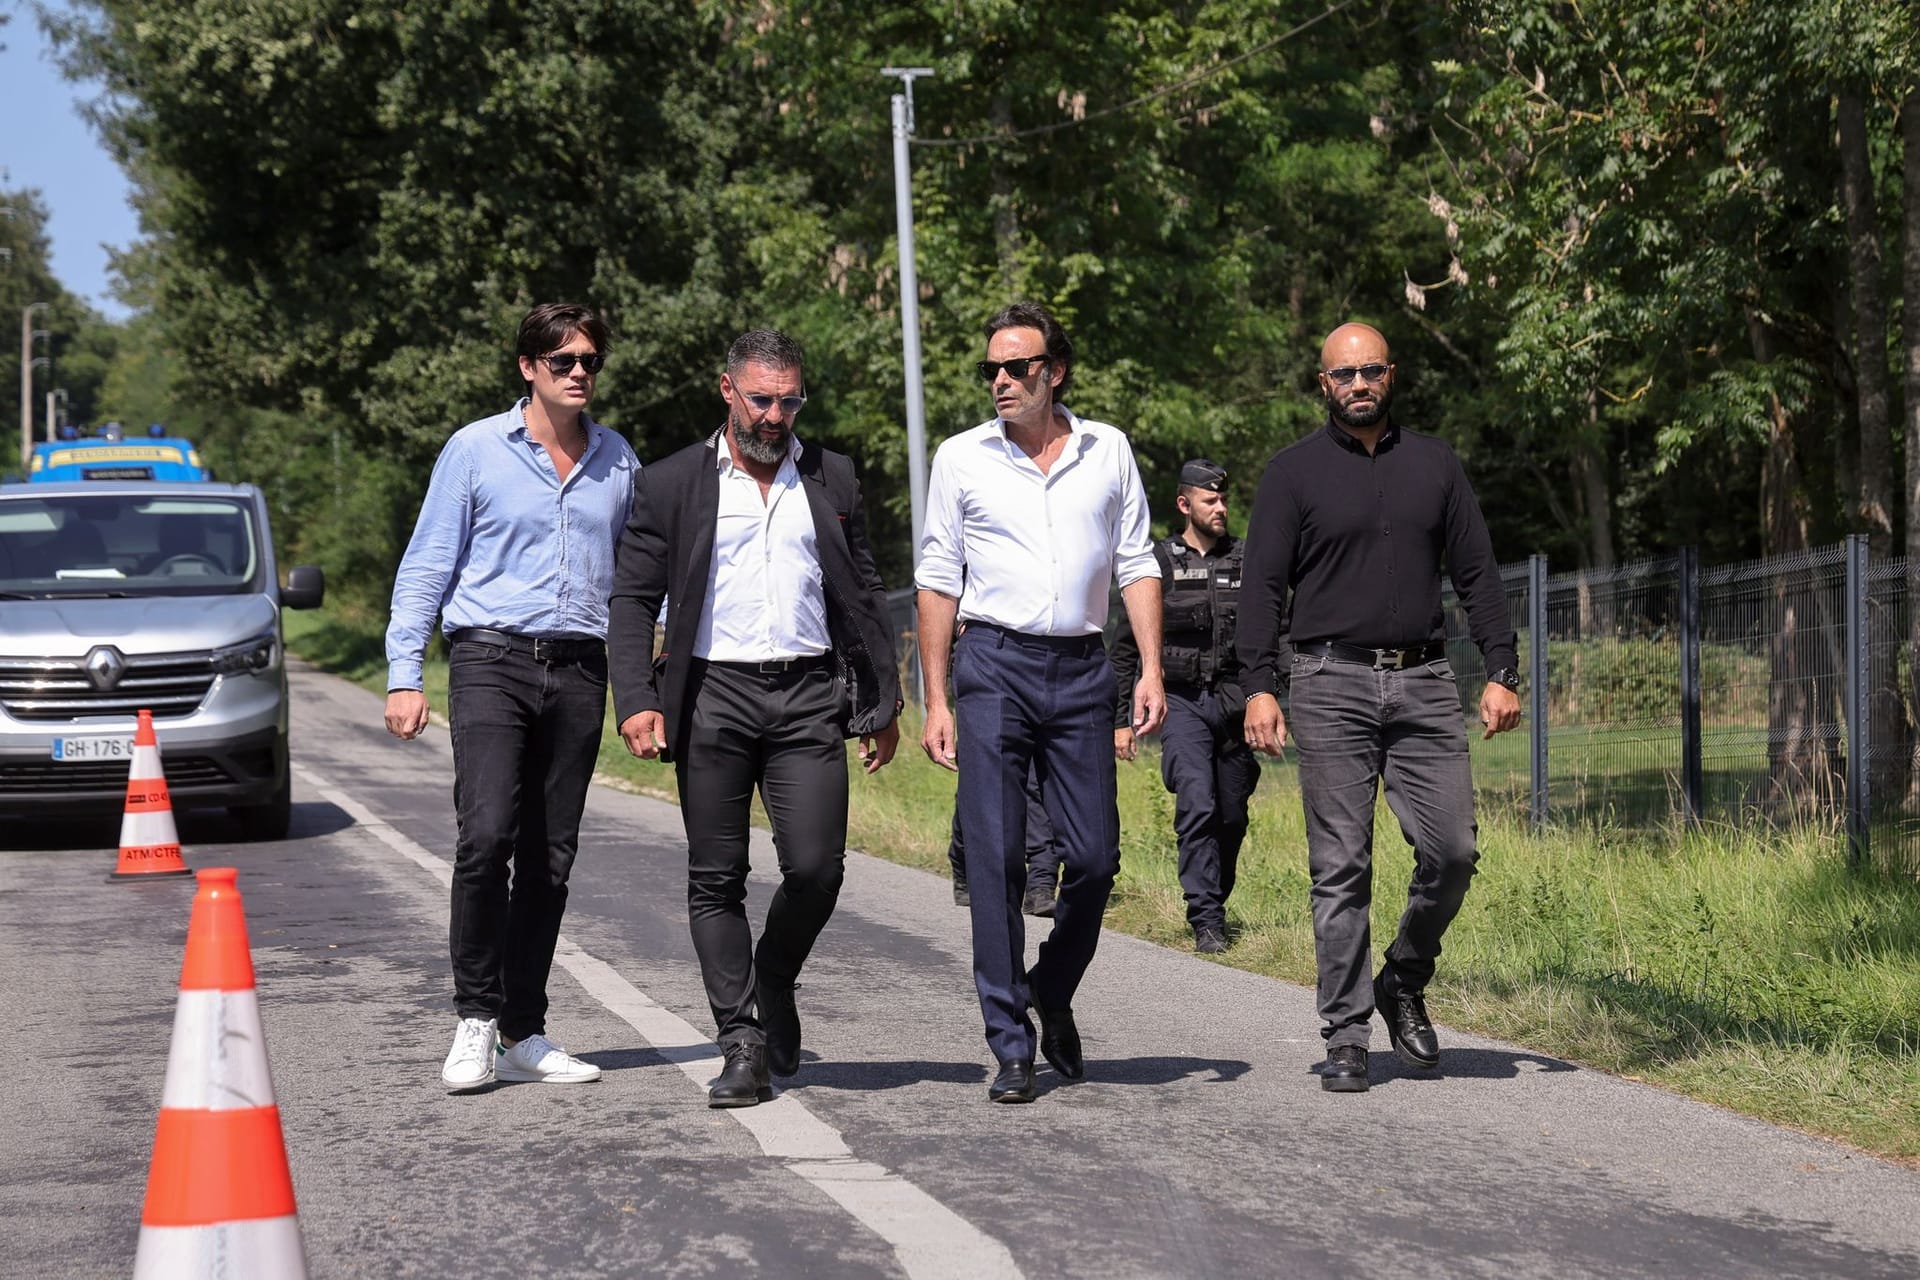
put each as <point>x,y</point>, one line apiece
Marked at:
<point>251,657</point>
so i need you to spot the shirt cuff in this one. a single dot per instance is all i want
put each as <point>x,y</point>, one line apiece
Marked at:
<point>1502,657</point>
<point>403,674</point>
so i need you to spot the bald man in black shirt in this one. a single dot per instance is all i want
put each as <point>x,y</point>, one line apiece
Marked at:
<point>1354,522</point>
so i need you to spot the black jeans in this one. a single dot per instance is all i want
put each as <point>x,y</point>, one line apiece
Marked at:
<point>1355,726</point>
<point>1211,771</point>
<point>781,732</point>
<point>525,737</point>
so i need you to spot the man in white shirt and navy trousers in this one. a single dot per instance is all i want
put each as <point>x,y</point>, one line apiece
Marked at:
<point>1029,517</point>
<point>778,649</point>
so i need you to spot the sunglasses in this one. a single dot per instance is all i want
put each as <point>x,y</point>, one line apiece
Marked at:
<point>562,364</point>
<point>1018,367</point>
<point>763,405</point>
<point>1346,373</point>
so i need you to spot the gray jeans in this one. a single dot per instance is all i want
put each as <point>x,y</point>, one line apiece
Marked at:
<point>1353,726</point>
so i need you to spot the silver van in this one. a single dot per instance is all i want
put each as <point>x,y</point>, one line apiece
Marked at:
<point>122,595</point>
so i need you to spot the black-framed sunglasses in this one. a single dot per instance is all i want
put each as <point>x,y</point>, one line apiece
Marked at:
<point>1018,367</point>
<point>763,405</point>
<point>561,365</point>
<point>1346,373</point>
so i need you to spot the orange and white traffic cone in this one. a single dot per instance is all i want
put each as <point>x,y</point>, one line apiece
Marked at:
<point>149,843</point>
<point>219,1193</point>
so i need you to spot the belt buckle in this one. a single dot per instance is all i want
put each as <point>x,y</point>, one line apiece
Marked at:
<point>775,666</point>
<point>1398,662</point>
<point>542,650</point>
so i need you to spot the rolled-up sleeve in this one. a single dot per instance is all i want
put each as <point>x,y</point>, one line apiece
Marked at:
<point>943,553</point>
<point>1133,550</point>
<point>427,569</point>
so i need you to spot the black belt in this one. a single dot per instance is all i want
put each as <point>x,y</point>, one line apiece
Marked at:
<point>776,666</point>
<point>1378,659</point>
<point>541,648</point>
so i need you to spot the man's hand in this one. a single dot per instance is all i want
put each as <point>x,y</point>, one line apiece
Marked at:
<point>406,713</point>
<point>937,740</point>
<point>878,748</point>
<point>1266,728</point>
<point>645,733</point>
<point>1499,709</point>
<point>1149,702</point>
<point>1124,747</point>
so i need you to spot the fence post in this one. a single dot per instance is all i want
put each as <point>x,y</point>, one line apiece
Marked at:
<point>1692,781</point>
<point>1537,685</point>
<point>1859,711</point>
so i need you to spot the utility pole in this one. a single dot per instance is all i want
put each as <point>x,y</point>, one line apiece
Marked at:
<point>910,298</point>
<point>26,383</point>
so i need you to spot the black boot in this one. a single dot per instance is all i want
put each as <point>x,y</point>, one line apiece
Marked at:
<point>743,1081</point>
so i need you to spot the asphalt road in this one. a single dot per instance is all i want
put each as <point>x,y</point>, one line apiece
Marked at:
<point>1200,1143</point>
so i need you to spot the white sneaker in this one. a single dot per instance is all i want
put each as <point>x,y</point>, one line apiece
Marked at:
<point>541,1061</point>
<point>470,1061</point>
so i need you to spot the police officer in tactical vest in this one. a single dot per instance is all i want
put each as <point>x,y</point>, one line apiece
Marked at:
<point>1203,757</point>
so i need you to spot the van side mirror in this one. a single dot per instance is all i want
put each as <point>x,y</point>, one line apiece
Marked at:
<point>306,586</point>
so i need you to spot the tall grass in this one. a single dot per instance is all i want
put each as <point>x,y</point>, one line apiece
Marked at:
<point>1759,974</point>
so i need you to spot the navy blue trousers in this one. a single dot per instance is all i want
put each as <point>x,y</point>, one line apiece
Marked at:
<point>1044,701</point>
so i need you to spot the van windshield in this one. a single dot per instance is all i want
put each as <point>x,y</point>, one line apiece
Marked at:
<point>127,544</point>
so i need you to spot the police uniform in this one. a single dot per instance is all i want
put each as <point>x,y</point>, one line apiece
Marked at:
<point>1204,760</point>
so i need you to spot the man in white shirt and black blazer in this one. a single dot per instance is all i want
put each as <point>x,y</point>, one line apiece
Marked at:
<point>1030,518</point>
<point>778,649</point>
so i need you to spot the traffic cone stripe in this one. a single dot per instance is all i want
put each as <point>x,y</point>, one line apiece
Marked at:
<point>217,955</point>
<point>260,1249</point>
<point>217,1166</point>
<point>148,795</point>
<point>148,853</point>
<point>218,1061</point>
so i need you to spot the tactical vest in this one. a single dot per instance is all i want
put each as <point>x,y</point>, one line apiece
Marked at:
<point>1202,601</point>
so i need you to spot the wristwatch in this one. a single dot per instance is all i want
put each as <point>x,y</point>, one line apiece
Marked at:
<point>1506,676</point>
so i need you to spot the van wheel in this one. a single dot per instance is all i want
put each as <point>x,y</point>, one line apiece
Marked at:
<point>268,821</point>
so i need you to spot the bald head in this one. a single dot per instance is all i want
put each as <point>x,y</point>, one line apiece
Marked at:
<point>1356,376</point>
<point>1354,344</point>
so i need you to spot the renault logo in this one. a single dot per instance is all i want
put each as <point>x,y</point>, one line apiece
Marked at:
<point>105,666</point>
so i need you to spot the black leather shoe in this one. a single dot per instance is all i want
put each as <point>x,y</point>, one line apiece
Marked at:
<point>1060,1043</point>
<point>961,898</point>
<point>1014,1083</point>
<point>1208,941</point>
<point>1407,1025</point>
<point>1039,900</point>
<point>743,1081</point>
<point>1345,1070</point>
<point>782,1023</point>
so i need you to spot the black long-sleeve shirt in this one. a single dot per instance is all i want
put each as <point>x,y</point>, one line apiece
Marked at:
<point>1358,540</point>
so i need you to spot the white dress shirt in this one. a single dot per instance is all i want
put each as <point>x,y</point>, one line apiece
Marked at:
<point>1035,552</point>
<point>766,597</point>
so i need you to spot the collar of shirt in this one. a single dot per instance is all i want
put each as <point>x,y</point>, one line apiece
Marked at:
<point>1345,439</point>
<point>1078,441</point>
<point>514,427</point>
<point>723,452</point>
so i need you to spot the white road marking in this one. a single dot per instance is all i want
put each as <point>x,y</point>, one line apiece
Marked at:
<point>931,1241</point>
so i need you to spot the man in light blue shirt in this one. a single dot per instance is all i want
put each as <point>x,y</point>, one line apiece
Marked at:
<point>514,552</point>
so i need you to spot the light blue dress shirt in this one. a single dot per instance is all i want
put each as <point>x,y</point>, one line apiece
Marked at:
<point>503,543</point>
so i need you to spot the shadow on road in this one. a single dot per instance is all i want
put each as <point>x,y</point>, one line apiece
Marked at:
<point>1460,1064</point>
<point>195,827</point>
<point>871,1077</point>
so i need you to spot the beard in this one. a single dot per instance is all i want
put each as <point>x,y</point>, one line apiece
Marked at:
<point>1364,416</point>
<point>768,453</point>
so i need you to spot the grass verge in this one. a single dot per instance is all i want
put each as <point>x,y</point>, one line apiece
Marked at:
<point>1759,975</point>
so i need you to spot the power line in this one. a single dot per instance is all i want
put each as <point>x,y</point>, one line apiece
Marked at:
<point>1142,100</point>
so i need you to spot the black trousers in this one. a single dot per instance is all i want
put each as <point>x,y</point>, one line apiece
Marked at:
<point>525,737</point>
<point>1211,771</point>
<point>1043,854</point>
<point>781,732</point>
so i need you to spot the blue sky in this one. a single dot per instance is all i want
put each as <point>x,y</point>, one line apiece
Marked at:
<point>45,144</point>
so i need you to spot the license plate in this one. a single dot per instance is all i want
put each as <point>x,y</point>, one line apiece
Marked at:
<point>93,748</point>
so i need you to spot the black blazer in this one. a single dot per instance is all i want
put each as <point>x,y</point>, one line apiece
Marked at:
<point>666,553</point>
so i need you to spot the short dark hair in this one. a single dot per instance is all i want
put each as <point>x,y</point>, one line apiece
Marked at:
<point>765,346</point>
<point>1031,315</point>
<point>552,323</point>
